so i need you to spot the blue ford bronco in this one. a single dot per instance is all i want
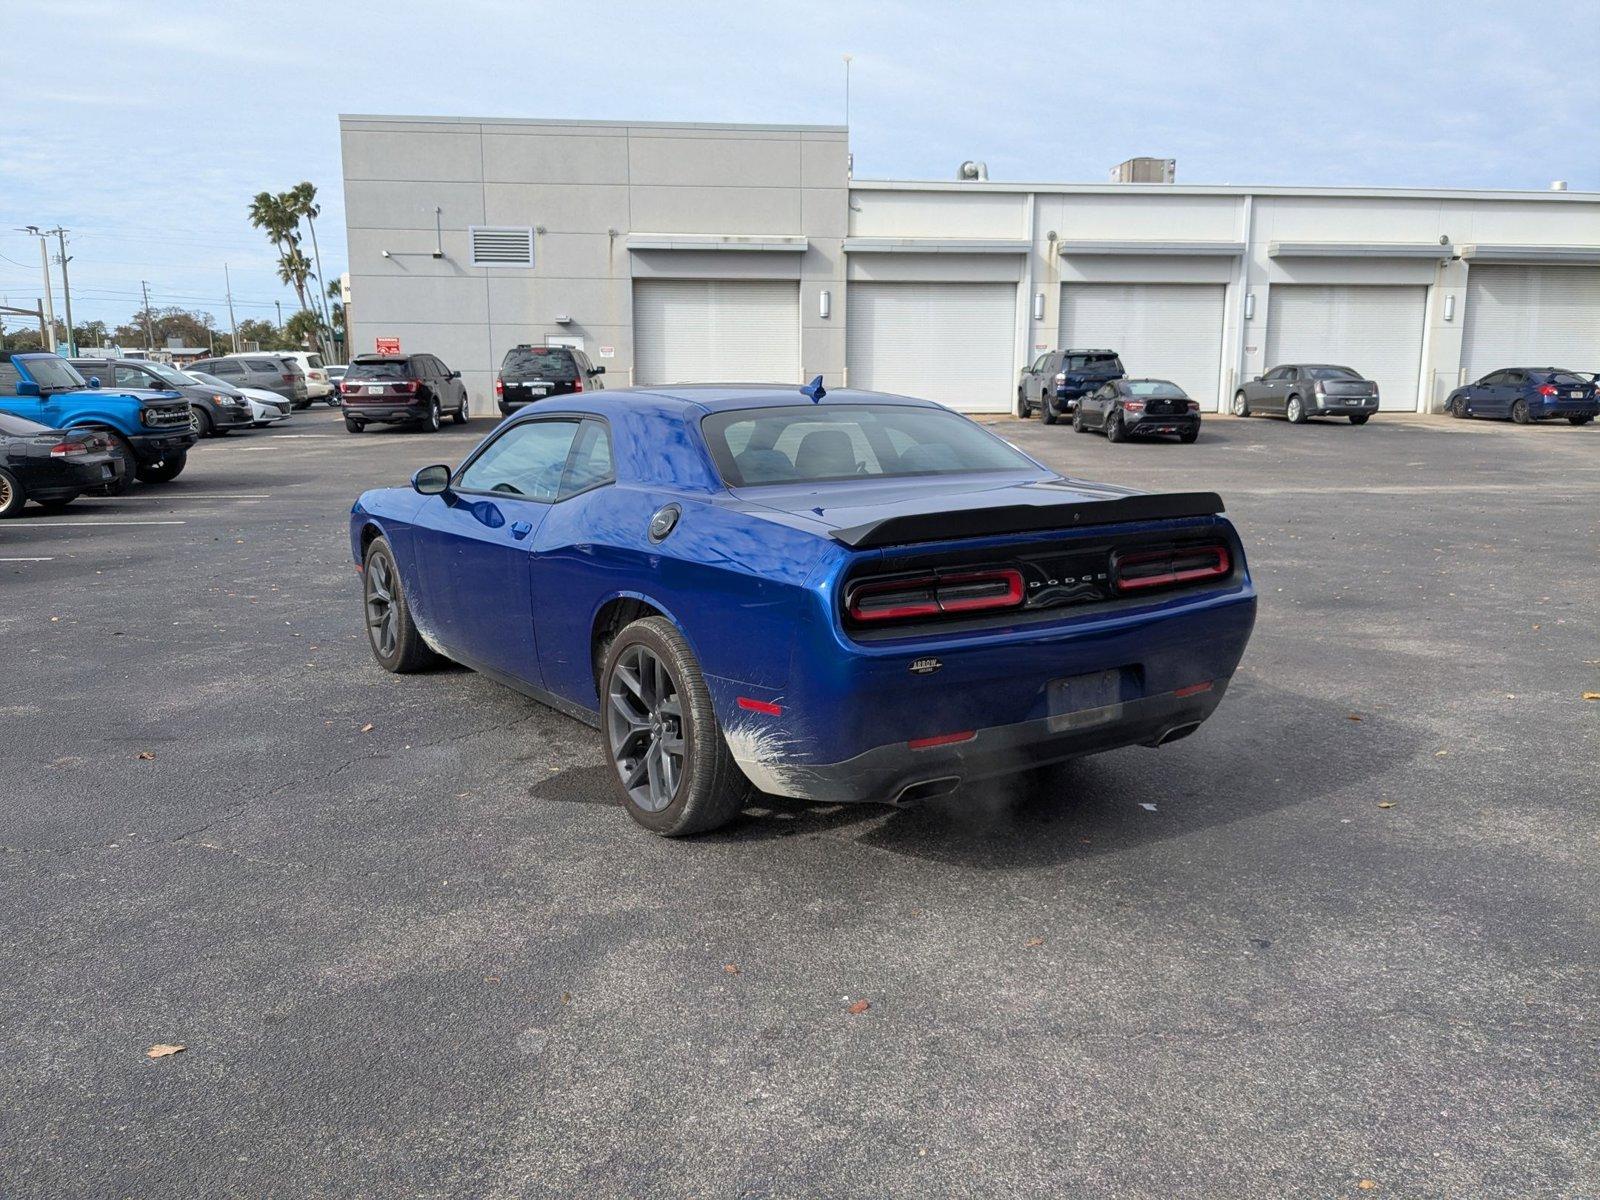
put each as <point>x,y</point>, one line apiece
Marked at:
<point>149,431</point>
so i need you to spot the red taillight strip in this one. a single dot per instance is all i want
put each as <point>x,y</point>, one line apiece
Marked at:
<point>942,739</point>
<point>1012,595</point>
<point>760,706</point>
<point>1220,565</point>
<point>934,603</point>
<point>1194,689</point>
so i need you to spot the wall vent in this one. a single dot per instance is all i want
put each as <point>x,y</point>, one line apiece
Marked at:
<point>501,245</point>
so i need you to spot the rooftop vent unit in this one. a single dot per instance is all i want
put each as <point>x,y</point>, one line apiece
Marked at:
<point>1145,170</point>
<point>1558,185</point>
<point>972,172</point>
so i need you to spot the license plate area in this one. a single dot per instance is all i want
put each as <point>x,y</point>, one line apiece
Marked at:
<point>1083,701</point>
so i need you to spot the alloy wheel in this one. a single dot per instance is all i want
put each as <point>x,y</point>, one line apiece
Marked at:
<point>7,495</point>
<point>383,619</point>
<point>644,727</point>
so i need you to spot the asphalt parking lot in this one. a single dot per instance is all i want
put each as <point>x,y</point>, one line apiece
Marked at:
<point>1345,933</point>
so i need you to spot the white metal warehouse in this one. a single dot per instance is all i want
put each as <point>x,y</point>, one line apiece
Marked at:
<point>675,252</point>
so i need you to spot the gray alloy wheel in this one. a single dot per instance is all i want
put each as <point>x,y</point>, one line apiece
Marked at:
<point>673,767</point>
<point>433,421</point>
<point>12,497</point>
<point>1077,420</point>
<point>1520,414</point>
<point>1295,411</point>
<point>461,413</point>
<point>392,634</point>
<point>644,725</point>
<point>1241,406</point>
<point>1458,407</point>
<point>1116,431</point>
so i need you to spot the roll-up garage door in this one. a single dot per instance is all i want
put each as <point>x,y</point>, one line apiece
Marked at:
<point>1160,330</point>
<point>1526,316</point>
<point>950,342</point>
<point>716,331</point>
<point>1376,330</point>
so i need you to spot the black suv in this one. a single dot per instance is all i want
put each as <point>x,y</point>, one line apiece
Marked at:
<point>533,373</point>
<point>1058,379</point>
<point>401,389</point>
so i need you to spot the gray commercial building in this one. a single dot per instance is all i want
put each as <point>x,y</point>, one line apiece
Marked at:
<point>676,252</point>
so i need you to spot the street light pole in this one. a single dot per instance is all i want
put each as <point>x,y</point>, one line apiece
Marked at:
<point>66,288</point>
<point>227,282</point>
<point>848,58</point>
<point>149,336</point>
<point>49,302</point>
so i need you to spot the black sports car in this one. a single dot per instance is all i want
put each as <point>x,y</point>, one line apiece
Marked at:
<point>52,467</point>
<point>1129,408</point>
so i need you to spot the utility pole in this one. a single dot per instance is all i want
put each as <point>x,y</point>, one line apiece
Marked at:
<point>66,288</point>
<point>848,58</point>
<point>49,303</point>
<point>227,282</point>
<point>149,335</point>
<point>278,304</point>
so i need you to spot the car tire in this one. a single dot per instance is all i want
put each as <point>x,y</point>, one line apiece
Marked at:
<point>460,415</point>
<point>164,470</point>
<point>1520,413</point>
<point>1457,407</point>
<point>434,421</point>
<point>1295,411</point>
<point>392,635</point>
<point>1116,431</point>
<point>1189,437</point>
<point>353,426</point>
<point>699,788</point>
<point>1077,420</point>
<point>1023,409</point>
<point>1583,420</point>
<point>122,449</point>
<point>202,423</point>
<point>1360,418</point>
<point>1047,410</point>
<point>1241,406</point>
<point>12,494</point>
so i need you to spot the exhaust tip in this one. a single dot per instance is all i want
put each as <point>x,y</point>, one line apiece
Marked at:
<point>1177,732</point>
<point>926,790</point>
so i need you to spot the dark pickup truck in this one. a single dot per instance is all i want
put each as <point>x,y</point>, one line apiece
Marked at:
<point>149,431</point>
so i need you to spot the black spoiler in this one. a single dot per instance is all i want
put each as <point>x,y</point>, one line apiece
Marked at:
<point>1027,518</point>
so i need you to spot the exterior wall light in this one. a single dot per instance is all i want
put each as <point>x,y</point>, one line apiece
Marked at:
<point>825,304</point>
<point>1249,306</point>
<point>1449,308</point>
<point>1038,306</point>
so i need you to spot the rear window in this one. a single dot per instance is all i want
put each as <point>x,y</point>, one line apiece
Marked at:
<point>1330,373</point>
<point>1092,362</point>
<point>392,369</point>
<point>813,444</point>
<point>16,426</point>
<point>554,363</point>
<point>314,361</point>
<point>266,364</point>
<point>1157,389</point>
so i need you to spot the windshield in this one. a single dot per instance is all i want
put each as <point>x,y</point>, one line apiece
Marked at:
<point>1330,373</point>
<point>1157,388</point>
<point>812,444</point>
<point>1091,362</point>
<point>538,362</point>
<point>17,427</point>
<point>209,380</point>
<point>169,375</point>
<point>391,369</point>
<point>52,372</point>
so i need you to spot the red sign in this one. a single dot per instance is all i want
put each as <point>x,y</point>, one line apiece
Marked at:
<point>388,345</point>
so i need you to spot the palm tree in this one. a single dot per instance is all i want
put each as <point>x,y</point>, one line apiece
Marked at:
<point>279,218</point>
<point>303,204</point>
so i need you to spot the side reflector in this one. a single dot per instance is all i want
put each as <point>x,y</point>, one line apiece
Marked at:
<point>762,706</point>
<point>1194,689</point>
<point>943,739</point>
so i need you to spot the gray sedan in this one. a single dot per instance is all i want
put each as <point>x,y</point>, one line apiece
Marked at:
<point>1304,390</point>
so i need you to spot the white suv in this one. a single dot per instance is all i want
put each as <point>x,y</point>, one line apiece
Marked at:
<point>318,385</point>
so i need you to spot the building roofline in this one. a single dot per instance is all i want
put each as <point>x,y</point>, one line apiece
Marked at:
<point>436,119</point>
<point>1218,189</point>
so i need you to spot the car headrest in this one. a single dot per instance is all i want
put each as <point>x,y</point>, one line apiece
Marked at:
<point>825,452</point>
<point>764,466</point>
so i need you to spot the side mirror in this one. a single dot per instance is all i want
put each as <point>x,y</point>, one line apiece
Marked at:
<point>455,374</point>
<point>1255,379</point>
<point>27,387</point>
<point>432,481</point>
<point>94,381</point>
<point>598,371</point>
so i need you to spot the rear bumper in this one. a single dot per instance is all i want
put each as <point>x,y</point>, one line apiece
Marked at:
<point>1343,406</point>
<point>384,414</point>
<point>60,478</point>
<point>1154,425</point>
<point>895,772</point>
<point>1565,408</point>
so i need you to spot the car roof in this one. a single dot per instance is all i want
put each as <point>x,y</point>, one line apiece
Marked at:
<point>1084,350</point>
<point>720,397</point>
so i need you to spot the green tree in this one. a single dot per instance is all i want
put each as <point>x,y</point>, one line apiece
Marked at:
<point>303,204</point>
<point>279,218</point>
<point>303,330</point>
<point>164,324</point>
<point>263,334</point>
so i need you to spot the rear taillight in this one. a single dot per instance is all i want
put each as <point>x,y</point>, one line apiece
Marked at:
<point>947,593</point>
<point>1194,405</point>
<point>1147,569</point>
<point>577,385</point>
<point>499,386</point>
<point>64,449</point>
<point>1133,406</point>
<point>1547,389</point>
<point>288,378</point>
<point>408,386</point>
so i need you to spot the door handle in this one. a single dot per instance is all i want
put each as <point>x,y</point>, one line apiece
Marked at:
<point>520,529</point>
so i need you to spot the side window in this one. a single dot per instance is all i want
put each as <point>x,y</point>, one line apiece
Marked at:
<point>125,376</point>
<point>1038,364</point>
<point>1515,377</point>
<point>526,460</point>
<point>1290,374</point>
<point>9,376</point>
<point>590,464</point>
<point>1276,375</point>
<point>227,368</point>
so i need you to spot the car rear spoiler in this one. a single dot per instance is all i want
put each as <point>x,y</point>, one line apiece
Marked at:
<point>1027,518</point>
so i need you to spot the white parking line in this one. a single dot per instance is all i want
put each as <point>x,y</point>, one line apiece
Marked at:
<point>203,496</point>
<point>27,560</point>
<point>63,524</point>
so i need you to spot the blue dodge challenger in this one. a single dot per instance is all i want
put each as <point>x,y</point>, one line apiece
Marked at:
<point>838,596</point>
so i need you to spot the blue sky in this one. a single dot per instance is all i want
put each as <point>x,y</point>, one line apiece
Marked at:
<point>146,127</point>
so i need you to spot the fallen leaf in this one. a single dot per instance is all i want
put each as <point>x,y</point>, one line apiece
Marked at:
<point>1440,753</point>
<point>1035,941</point>
<point>1353,717</point>
<point>1591,695</point>
<point>1368,1185</point>
<point>1385,803</point>
<point>730,968</point>
<point>162,1050</point>
<point>145,755</point>
<point>491,979</point>
<point>367,728</point>
<point>859,1007</point>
